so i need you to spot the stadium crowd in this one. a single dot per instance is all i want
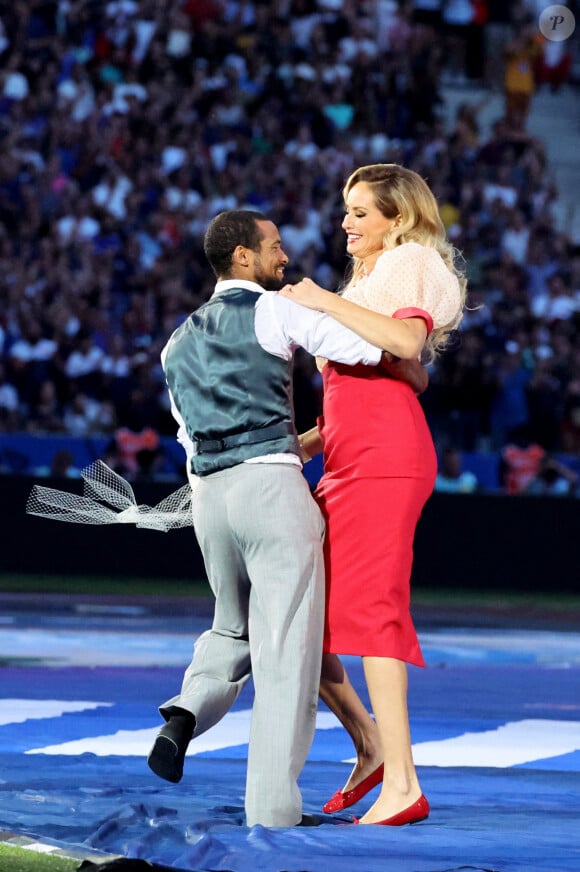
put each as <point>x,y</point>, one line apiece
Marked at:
<point>126,126</point>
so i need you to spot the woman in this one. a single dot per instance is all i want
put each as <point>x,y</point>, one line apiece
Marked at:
<point>405,295</point>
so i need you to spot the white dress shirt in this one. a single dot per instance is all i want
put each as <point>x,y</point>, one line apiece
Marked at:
<point>281,327</point>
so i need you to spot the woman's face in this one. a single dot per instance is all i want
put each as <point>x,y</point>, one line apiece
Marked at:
<point>365,226</point>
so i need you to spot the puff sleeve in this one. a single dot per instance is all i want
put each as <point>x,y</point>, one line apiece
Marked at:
<point>412,280</point>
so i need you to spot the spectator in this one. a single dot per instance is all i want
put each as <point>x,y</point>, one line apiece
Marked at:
<point>458,17</point>
<point>500,188</point>
<point>78,226</point>
<point>544,394</point>
<point>521,461</point>
<point>61,466</point>
<point>451,478</point>
<point>133,447</point>
<point>509,407</point>
<point>84,365</point>
<point>516,236</point>
<point>46,415</point>
<point>521,57</point>
<point>570,424</point>
<point>553,479</point>
<point>15,84</point>
<point>9,403</point>
<point>557,303</point>
<point>81,416</point>
<point>541,264</point>
<point>428,13</point>
<point>30,360</point>
<point>497,34</point>
<point>301,232</point>
<point>554,65</point>
<point>111,193</point>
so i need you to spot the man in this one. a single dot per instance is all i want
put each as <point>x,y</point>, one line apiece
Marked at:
<point>229,372</point>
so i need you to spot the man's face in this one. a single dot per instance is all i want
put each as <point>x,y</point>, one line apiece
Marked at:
<point>269,262</point>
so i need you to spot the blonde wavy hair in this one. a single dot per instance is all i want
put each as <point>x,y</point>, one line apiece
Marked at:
<point>399,191</point>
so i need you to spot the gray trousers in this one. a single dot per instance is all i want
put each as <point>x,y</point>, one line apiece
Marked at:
<point>260,533</point>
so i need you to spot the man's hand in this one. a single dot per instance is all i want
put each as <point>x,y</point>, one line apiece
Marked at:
<point>310,444</point>
<point>410,371</point>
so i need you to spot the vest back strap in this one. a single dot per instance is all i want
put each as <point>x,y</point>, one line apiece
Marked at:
<point>249,437</point>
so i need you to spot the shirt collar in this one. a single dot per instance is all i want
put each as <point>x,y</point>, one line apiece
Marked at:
<point>228,284</point>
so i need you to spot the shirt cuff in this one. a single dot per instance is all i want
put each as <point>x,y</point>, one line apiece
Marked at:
<point>374,356</point>
<point>413,312</point>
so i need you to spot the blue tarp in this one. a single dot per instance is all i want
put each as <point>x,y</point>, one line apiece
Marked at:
<point>495,722</point>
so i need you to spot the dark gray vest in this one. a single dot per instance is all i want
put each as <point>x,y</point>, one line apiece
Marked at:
<point>235,398</point>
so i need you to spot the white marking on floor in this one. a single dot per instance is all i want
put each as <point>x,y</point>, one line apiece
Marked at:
<point>509,745</point>
<point>18,711</point>
<point>231,732</point>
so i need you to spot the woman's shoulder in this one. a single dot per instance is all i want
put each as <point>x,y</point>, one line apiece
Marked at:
<point>410,249</point>
<point>429,257</point>
<point>423,260</point>
<point>409,252</point>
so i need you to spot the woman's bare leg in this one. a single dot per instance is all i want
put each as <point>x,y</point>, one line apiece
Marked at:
<point>387,684</point>
<point>342,699</point>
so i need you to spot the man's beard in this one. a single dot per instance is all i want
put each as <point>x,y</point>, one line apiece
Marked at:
<point>265,280</point>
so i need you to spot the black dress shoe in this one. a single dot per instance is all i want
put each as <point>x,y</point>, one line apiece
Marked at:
<point>168,752</point>
<point>310,820</point>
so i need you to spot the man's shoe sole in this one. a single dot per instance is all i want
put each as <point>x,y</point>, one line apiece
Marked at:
<point>164,760</point>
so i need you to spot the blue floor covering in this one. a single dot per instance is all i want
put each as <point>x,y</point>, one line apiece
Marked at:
<point>495,720</point>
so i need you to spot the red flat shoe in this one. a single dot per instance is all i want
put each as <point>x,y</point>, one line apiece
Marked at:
<point>412,815</point>
<point>341,800</point>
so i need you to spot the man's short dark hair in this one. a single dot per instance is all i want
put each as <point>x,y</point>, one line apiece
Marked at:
<point>228,230</point>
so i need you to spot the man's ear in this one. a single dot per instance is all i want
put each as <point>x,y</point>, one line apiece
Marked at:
<point>241,256</point>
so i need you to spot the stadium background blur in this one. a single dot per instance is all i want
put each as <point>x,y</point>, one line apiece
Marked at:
<point>126,126</point>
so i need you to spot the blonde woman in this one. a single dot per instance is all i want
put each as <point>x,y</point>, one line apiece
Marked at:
<point>404,295</point>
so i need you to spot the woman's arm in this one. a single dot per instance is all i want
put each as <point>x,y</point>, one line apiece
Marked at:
<point>310,444</point>
<point>404,338</point>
